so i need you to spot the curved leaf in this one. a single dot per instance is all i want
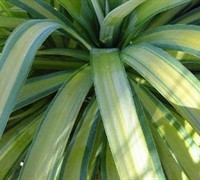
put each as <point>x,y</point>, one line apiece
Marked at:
<point>179,86</point>
<point>111,24</point>
<point>52,136</point>
<point>151,7</point>
<point>192,17</point>
<point>179,142</point>
<point>16,60</point>
<point>41,9</point>
<point>15,141</point>
<point>144,13</point>
<point>176,37</point>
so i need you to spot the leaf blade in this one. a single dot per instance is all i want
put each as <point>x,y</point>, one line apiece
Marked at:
<point>77,158</point>
<point>146,58</point>
<point>186,151</point>
<point>111,24</point>
<point>71,96</point>
<point>119,121</point>
<point>21,38</point>
<point>174,37</point>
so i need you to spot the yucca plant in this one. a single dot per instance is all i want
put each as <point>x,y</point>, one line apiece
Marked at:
<point>99,89</point>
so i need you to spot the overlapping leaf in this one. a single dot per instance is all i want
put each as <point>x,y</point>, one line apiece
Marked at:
<point>77,158</point>
<point>59,120</point>
<point>179,86</point>
<point>21,46</point>
<point>174,37</point>
<point>173,134</point>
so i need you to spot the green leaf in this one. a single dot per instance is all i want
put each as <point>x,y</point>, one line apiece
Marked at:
<point>151,7</point>
<point>98,10</point>
<point>11,22</point>
<point>111,24</point>
<point>49,144</point>
<point>38,87</point>
<point>195,136</point>
<point>81,11</point>
<point>93,168</point>
<point>115,3</point>
<point>15,141</point>
<point>41,9</point>
<point>77,158</point>
<point>144,13</point>
<point>4,6</point>
<point>172,168</point>
<point>16,60</point>
<point>179,142</point>
<point>174,37</point>
<point>22,113</point>
<point>78,54</point>
<point>166,16</point>
<point>41,63</point>
<point>108,168</point>
<point>148,135</point>
<point>181,88</point>
<point>192,17</point>
<point>120,120</point>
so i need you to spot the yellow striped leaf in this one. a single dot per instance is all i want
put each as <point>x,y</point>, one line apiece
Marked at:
<point>77,158</point>
<point>175,37</point>
<point>15,141</point>
<point>38,87</point>
<point>173,134</point>
<point>47,148</point>
<point>16,60</point>
<point>111,24</point>
<point>151,7</point>
<point>122,126</point>
<point>179,86</point>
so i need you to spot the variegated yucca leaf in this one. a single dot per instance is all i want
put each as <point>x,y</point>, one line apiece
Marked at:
<point>99,89</point>
<point>39,87</point>
<point>169,77</point>
<point>13,73</point>
<point>108,168</point>
<point>118,112</point>
<point>112,22</point>
<point>172,132</point>
<point>50,159</point>
<point>77,158</point>
<point>15,141</point>
<point>145,12</point>
<point>174,37</point>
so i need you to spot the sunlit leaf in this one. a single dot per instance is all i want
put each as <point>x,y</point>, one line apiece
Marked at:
<point>179,86</point>
<point>59,121</point>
